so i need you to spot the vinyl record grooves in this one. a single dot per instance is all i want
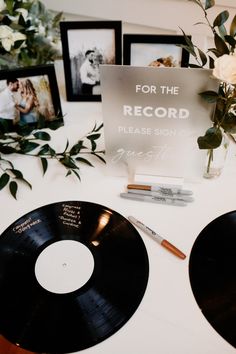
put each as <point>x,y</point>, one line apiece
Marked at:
<point>102,261</point>
<point>212,274</point>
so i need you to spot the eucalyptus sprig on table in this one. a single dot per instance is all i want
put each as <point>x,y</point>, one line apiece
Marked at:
<point>34,143</point>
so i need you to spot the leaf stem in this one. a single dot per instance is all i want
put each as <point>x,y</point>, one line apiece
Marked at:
<point>210,159</point>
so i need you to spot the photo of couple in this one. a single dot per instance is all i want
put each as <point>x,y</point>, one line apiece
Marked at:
<point>23,100</point>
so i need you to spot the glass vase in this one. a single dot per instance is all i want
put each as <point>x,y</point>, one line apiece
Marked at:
<point>215,160</point>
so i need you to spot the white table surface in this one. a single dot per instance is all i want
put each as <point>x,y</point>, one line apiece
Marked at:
<point>168,319</point>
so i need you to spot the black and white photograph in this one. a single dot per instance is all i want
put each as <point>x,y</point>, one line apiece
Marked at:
<point>154,50</point>
<point>86,45</point>
<point>28,95</point>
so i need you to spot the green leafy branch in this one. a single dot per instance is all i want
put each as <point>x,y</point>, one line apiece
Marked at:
<point>36,145</point>
<point>225,42</point>
<point>224,117</point>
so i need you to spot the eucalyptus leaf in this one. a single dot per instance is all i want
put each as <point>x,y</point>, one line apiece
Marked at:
<point>211,140</point>
<point>229,124</point>
<point>42,136</point>
<point>83,160</point>
<point>55,124</point>
<point>209,96</point>
<point>44,164</point>
<point>18,44</point>
<point>232,30</point>
<point>221,18</point>
<point>194,66</point>
<point>220,45</point>
<point>52,152</point>
<point>57,18</point>
<point>203,57</point>
<point>77,148</point>
<point>211,62</point>
<point>209,4</point>
<point>99,157</point>
<point>93,145</point>
<point>28,146</point>
<point>4,125</point>
<point>214,51</point>
<point>44,150</point>
<point>93,137</point>
<point>26,182</point>
<point>189,44</point>
<point>188,49</point>
<point>67,144</point>
<point>17,173</point>
<point>4,149</point>
<point>222,32</point>
<point>98,128</point>
<point>77,175</point>
<point>4,179</point>
<point>21,21</point>
<point>13,186</point>
<point>231,41</point>
<point>68,162</point>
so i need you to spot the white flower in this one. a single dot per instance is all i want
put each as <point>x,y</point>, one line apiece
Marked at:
<point>225,68</point>
<point>2,5</point>
<point>8,37</point>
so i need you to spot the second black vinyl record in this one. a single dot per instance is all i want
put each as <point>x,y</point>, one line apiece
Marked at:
<point>212,267</point>
<point>71,275</point>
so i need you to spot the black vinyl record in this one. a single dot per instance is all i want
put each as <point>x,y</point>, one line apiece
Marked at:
<point>41,313</point>
<point>212,274</point>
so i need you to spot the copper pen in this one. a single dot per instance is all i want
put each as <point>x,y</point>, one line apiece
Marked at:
<point>157,237</point>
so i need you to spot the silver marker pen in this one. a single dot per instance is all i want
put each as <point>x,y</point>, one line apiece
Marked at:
<point>184,198</point>
<point>153,199</point>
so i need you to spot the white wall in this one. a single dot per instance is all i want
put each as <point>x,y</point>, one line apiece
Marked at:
<point>167,15</point>
<point>147,16</point>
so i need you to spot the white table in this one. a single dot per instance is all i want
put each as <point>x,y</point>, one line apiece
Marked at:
<point>168,319</point>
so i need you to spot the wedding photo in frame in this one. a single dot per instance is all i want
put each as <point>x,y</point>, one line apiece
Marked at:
<point>29,96</point>
<point>86,45</point>
<point>154,50</point>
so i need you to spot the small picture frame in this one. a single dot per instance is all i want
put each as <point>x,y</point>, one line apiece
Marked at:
<point>86,45</point>
<point>29,96</point>
<point>154,50</point>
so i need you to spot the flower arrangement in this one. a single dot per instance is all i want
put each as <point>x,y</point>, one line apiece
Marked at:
<point>29,34</point>
<point>222,59</point>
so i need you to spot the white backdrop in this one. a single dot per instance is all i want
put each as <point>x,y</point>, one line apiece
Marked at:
<point>147,16</point>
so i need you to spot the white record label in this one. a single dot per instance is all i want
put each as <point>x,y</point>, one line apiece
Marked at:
<point>64,266</point>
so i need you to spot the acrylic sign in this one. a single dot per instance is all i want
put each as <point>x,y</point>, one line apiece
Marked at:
<point>153,117</point>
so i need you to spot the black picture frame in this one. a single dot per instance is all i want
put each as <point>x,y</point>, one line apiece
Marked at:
<point>78,38</point>
<point>154,50</point>
<point>43,81</point>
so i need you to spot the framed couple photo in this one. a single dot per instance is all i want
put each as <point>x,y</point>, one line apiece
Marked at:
<point>85,46</point>
<point>29,97</point>
<point>154,50</point>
